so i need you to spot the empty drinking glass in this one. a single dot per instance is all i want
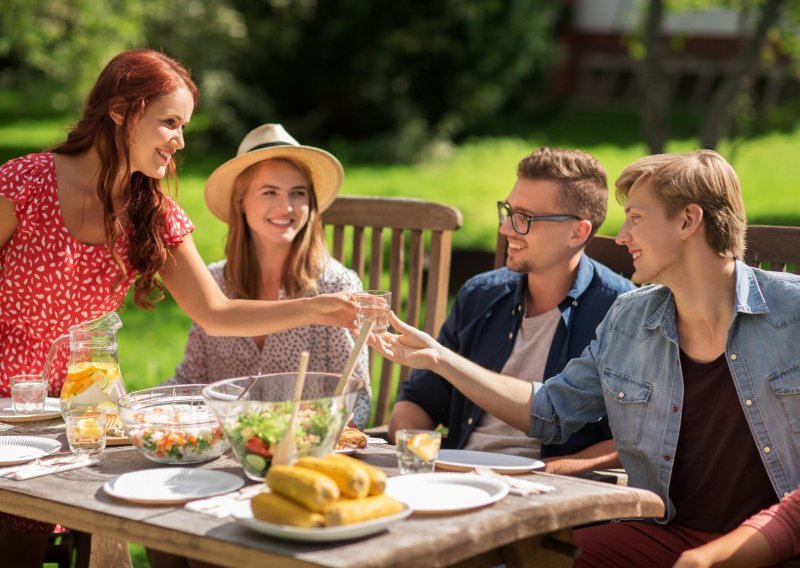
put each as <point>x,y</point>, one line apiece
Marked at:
<point>28,394</point>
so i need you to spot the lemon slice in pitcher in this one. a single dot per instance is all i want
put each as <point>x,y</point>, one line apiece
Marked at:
<point>100,379</point>
<point>423,446</point>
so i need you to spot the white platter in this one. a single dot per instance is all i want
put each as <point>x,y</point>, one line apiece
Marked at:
<point>468,460</point>
<point>20,449</point>
<point>52,409</point>
<point>445,492</point>
<point>171,485</point>
<point>321,534</point>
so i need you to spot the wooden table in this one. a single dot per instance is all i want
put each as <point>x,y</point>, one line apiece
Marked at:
<point>520,531</point>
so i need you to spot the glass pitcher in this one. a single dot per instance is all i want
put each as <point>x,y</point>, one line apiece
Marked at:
<point>93,376</point>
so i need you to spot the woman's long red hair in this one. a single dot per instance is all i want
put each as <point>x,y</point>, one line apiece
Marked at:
<point>127,85</point>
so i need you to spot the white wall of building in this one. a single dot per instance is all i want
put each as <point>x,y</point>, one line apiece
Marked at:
<point>615,16</point>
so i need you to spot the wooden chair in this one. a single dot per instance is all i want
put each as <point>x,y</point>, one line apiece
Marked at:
<point>419,252</point>
<point>601,248</point>
<point>773,248</point>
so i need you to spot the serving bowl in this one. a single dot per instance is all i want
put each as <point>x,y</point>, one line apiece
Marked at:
<point>254,414</point>
<point>172,424</point>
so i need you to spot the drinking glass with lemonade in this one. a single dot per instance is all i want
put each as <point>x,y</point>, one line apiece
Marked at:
<point>417,450</point>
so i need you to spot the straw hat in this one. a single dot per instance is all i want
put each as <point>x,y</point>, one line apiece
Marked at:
<point>266,142</point>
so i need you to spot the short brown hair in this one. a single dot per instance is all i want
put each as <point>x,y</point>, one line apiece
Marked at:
<point>702,177</point>
<point>582,181</point>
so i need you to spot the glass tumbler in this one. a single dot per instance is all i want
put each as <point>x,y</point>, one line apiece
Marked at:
<point>28,394</point>
<point>86,430</point>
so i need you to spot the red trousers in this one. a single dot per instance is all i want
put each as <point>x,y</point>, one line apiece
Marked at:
<point>635,544</point>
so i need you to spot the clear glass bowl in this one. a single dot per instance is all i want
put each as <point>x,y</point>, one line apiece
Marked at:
<point>172,424</point>
<point>254,414</point>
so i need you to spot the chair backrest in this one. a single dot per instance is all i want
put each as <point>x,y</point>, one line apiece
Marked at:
<point>773,248</point>
<point>601,248</point>
<point>409,224</point>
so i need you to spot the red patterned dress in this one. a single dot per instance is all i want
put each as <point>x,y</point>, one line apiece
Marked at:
<point>48,279</point>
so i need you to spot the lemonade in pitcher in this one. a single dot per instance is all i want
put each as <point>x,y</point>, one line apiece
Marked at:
<point>95,384</point>
<point>93,376</point>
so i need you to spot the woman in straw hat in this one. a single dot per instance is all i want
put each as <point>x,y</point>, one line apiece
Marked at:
<point>271,196</point>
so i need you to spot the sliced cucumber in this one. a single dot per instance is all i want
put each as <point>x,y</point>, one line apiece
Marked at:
<point>255,462</point>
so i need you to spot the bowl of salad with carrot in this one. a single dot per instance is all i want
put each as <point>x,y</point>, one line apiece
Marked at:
<point>172,425</point>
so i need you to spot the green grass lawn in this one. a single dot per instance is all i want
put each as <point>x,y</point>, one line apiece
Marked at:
<point>471,176</point>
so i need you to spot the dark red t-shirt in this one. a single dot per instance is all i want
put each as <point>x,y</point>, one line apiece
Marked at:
<point>718,479</point>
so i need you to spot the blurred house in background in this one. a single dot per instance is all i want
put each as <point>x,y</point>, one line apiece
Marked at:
<point>602,41</point>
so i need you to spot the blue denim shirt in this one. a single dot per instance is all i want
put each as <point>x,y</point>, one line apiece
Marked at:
<point>483,326</point>
<point>632,373</point>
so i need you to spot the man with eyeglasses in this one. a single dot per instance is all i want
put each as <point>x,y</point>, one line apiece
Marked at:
<point>528,319</point>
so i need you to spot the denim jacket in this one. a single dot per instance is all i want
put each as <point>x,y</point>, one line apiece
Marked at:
<point>632,373</point>
<point>483,326</point>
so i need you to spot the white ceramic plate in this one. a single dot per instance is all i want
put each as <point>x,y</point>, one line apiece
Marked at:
<point>21,449</point>
<point>171,485</point>
<point>467,460</point>
<point>52,409</point>
<point>321,534</point>
<point>445,492</point>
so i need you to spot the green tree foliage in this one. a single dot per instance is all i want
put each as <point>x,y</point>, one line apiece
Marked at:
<point>396,74</point>
<point>67,43</point>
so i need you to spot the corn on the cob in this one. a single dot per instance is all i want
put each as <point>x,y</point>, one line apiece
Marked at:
<point>353,482</point>
<point>273,508</point>
<point>310,488</point>
<point>351,511</point>
<point>377,477</point>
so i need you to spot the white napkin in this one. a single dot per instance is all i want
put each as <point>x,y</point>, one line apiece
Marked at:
<point>516,486</point>
<point>525,487</point>
<point>230,504</point>
<point>40,467</point>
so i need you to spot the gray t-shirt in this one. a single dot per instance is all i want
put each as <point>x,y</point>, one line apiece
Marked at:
<point>526,363</point>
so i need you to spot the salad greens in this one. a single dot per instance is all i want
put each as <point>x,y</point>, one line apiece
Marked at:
<point>255,434</point>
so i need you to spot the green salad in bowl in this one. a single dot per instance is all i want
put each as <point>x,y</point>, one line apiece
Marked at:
<point>254,414</point>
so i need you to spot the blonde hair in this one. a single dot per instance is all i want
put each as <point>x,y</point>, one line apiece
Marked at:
<point>307,255</point>
<point>582,181</point>
<point>702,177</point>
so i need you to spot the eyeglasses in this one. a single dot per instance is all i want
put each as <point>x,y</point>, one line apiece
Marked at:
<point>522,222</point>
